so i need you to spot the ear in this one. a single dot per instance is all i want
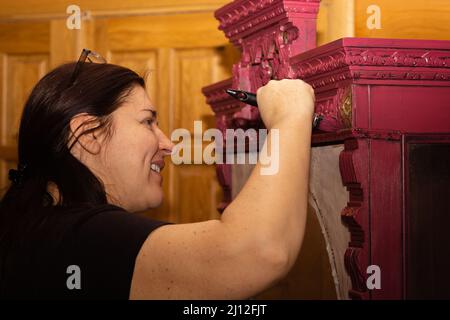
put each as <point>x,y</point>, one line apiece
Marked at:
<point>88,141</point>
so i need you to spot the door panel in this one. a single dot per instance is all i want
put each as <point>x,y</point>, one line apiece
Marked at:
<point>178,55</point>
<point>24,59</point>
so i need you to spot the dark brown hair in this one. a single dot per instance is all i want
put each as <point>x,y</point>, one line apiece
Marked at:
<point>44,133</point>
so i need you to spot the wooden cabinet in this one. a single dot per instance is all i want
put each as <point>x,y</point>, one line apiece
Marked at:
<point>379,182</point>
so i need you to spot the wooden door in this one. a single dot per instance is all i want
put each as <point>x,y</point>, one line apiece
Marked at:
<point>24,59</point>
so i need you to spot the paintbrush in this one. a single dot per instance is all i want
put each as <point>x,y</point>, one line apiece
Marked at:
<point>325,124</point>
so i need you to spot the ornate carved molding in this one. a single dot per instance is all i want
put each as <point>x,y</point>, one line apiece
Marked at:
<point>336,105</point>
<point>230,113</point>
<point>241,18</point>
<point>268,32</point>
<point>218,99</point>
<point>379,59</point>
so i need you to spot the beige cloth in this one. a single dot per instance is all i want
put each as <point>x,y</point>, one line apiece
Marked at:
<point>327,196</point>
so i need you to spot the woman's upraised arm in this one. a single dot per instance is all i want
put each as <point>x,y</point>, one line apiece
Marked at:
<point>260,233</point>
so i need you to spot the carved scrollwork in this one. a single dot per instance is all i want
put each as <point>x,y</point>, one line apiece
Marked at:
<point>241,17</point>
<point>336,105</point>
<point>267,55</point>
<point>341,62</point>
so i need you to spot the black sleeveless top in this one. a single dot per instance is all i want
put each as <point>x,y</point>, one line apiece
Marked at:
<point>81,252</point>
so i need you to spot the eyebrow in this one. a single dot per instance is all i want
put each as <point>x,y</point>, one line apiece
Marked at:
<point>154,113</point>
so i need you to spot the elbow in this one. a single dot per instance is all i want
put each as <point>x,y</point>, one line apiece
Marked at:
<point>277,261</point>
<point>280,257</point>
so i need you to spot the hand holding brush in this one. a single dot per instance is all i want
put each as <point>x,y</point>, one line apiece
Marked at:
<point>319,122</point>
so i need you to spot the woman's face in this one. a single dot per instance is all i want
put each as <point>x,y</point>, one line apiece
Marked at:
<point>131,161</point>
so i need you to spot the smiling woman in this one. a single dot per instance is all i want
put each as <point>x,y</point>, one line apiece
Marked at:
<point>90,158</point>
<point>86,150</point>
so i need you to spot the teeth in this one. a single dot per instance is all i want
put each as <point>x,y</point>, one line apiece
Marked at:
<point>155,167</point>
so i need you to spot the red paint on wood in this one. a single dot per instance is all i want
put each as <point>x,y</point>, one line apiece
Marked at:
<point>379,90</point>
<point>386,216</point>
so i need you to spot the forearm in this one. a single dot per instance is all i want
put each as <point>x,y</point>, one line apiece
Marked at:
<point>272,208</point>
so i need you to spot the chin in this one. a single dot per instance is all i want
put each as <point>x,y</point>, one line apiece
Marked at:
<point>156,200</point>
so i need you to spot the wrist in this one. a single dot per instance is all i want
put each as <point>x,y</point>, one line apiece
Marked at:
<point>299,120</point>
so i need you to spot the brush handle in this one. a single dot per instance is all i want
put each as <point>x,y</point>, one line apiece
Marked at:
<point>250,98</point>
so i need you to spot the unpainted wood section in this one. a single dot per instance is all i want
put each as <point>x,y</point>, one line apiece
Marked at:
<point>24,37</point>
<point>335,20</point>
<point>194,69</point>
<point>195,30</point>
<point>66,44</point>
<point>199,193</point>
<point>407,19</point>
<point>196,185</point>
<point>20,73</point>
<point>143,63</point>
<point>57,8</point>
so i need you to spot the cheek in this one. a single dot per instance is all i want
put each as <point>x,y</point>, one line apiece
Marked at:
<point>137,148</point>
<point>130,149</point>
<point>120,151</point>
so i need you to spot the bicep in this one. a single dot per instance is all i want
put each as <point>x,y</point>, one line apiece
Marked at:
<point>204,260</point>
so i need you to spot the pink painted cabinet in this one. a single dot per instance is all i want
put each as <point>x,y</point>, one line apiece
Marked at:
<point>390,100</point>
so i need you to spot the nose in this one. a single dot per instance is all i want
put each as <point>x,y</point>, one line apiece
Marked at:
<point>165,144</point>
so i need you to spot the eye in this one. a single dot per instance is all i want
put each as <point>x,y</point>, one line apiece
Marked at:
<point>150,122</point>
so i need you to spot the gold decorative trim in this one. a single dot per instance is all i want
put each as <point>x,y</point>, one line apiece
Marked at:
<point>345,109</point>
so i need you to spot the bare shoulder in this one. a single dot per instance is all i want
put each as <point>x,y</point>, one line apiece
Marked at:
<point>204,260</point>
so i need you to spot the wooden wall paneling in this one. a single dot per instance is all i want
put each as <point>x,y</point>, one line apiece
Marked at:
<point>49,9</point>
<point>144,63</point>
<point>405,19</point>
<point>22,73</point>
<point>194,68</point>
<point>24,37</point>
<point>190,30</point>
<point>24,52</point>
<point>66,44</point>
<point>335,20</point>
